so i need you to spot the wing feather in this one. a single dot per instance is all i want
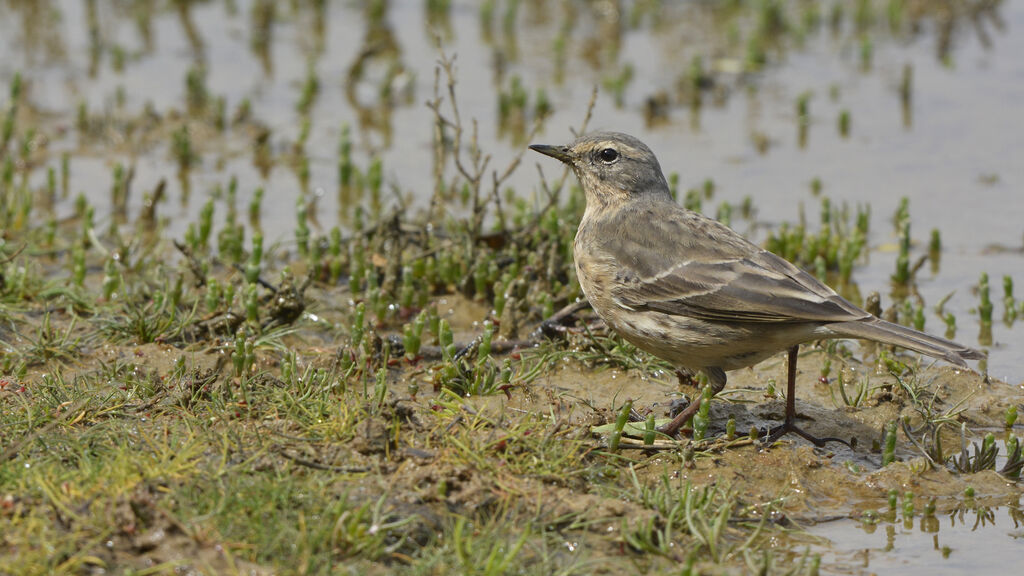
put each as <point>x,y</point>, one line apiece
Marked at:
<point>709,272</point>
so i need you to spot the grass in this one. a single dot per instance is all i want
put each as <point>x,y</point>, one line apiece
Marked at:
<point>213,418</point>
<point>48,344</point>
<point>702,513</point>
<point>109,465</point>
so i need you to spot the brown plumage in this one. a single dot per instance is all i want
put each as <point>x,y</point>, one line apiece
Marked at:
<point>688,289</point>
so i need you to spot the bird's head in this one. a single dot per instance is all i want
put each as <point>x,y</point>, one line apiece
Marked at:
<point>611,166</point>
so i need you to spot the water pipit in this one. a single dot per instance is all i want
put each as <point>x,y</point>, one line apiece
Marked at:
<point>692,291</point>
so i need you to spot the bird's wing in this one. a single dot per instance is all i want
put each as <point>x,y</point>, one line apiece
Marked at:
<point>707,271</point>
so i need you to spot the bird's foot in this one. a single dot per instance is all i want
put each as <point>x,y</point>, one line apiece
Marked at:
<point>636,416</point>
<point>678,434</point>
<point>673,428</point>
<point>790,427</point>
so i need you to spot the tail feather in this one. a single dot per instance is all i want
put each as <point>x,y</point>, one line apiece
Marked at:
<point>889,333</point>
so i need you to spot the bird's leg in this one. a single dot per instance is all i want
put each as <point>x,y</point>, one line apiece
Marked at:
<point>672,428</point>
<point>789,425</point>
<point>552,326</point>
<point>635,415</point>
<point>686,377</point>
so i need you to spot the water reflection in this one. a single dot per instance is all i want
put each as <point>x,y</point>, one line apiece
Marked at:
<point>909,98</point>
<point>972,536</point>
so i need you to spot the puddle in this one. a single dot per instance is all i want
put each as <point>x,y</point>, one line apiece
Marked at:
<point>978,540</point>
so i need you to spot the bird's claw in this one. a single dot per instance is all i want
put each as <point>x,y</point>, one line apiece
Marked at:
<point>781,430</point>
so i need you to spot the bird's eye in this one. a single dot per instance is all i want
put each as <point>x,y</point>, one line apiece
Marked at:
<point>609,155</point>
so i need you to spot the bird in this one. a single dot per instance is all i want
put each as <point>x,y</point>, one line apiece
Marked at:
<point>690,290</point>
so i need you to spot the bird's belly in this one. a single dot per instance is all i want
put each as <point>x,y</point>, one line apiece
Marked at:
<point>697,344</point>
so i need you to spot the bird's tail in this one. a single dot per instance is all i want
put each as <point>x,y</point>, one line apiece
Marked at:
<point>889,333</point>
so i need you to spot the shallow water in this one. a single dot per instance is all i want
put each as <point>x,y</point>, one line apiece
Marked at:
<point>955,158</point>
<point>977,539</point>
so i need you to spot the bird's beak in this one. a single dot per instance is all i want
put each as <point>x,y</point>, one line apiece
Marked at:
<point>557,152</point>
